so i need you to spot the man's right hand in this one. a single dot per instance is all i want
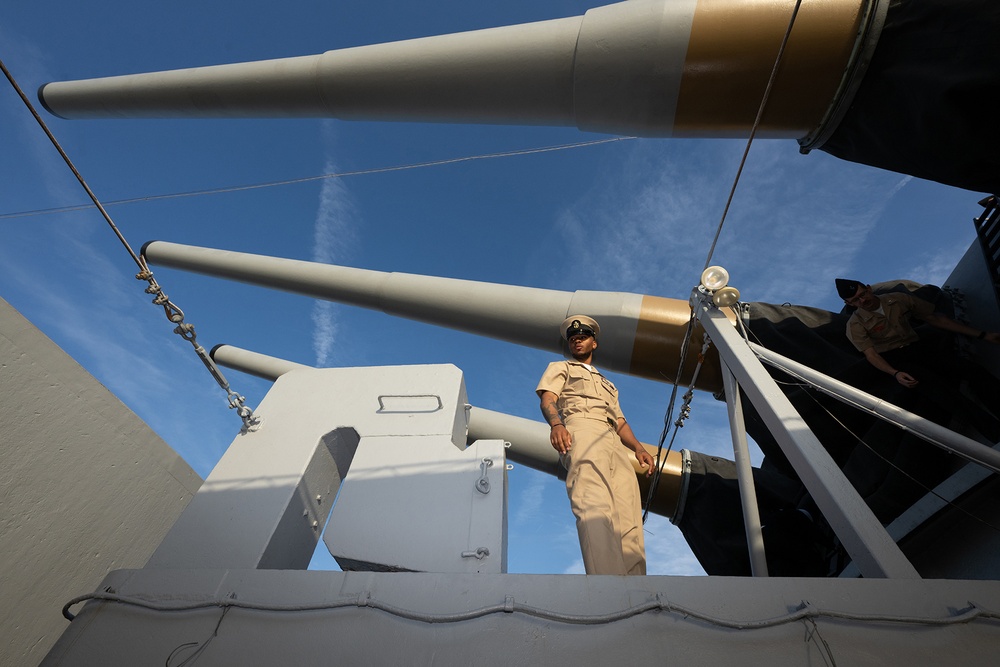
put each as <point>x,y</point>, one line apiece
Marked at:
<point>560,438</point>
<point>905,379</point>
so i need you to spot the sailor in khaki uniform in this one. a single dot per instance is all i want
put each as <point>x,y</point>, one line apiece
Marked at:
<point>880,328</point>
<point>590,433</point>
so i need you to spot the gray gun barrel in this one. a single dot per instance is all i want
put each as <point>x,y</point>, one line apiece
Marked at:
<point>856,79</point>
<point>529,440</point>
<point>640,334</point>
<point>647,67</point>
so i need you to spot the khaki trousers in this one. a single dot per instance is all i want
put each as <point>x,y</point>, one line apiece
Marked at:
<point>604,494</point>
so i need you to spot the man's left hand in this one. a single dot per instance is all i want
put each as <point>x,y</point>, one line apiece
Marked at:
<point>646,460</point>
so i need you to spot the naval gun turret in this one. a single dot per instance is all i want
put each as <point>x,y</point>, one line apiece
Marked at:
<point>641,335</point>
<point>850,77</point>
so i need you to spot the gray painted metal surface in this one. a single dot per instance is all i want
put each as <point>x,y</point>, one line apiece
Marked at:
<point>744,472</point>
<point>267,500</point>
<point>253,363</point>
<point>620,68</point>
<point>617,68</point>
<point>523,315</point>
<point>529,439</point>
<point>85,486</point>
<point>419,504</point>
<point>454,619</point>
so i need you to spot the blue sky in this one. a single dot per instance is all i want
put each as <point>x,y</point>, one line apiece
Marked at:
<point>635,215</point>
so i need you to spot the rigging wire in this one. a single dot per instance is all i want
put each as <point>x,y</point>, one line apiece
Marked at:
<point>173,313</point>
<point>668,415</point>
<point>69,163</point>
<point>308,179</point>
<point>753,130</point>
<point>685,412</point>
<point>687,335</point>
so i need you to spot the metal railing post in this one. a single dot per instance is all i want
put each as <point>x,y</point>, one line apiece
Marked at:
<point>744,473</point>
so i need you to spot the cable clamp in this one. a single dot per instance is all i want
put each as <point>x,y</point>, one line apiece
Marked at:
<point>483,483</point>
<point>480,553</point>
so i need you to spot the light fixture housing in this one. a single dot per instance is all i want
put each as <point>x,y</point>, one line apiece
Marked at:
<point>726,296</point>
<point>714,278</point>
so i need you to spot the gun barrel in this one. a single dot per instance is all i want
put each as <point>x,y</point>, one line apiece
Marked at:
<point>640,334</point>
<point>647,67</point>
<point>252,363</point>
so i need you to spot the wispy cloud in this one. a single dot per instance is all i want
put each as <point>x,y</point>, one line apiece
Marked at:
<point>333,236</point>
<point>654,223</point>
<point>530,499</point>
<point>576,567</point>
<point>801,222</point>
<point>26,63</point>
<point>665,552</point>
<point>935,266</point>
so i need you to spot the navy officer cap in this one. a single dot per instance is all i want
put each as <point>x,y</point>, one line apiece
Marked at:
<point>847,288</point>
<point>579,324</point>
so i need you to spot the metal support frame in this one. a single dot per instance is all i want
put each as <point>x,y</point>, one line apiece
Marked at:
<point>744,473</point>
<point>861,534</point>
<point>935,434</point>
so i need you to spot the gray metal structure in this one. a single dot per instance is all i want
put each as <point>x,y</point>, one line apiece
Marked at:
<point>241,617</point>
<point>402,433</point>
<point>86,487</point>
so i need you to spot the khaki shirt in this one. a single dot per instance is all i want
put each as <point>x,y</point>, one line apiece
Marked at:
<point>892,330</point>
<point>582,392</point>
